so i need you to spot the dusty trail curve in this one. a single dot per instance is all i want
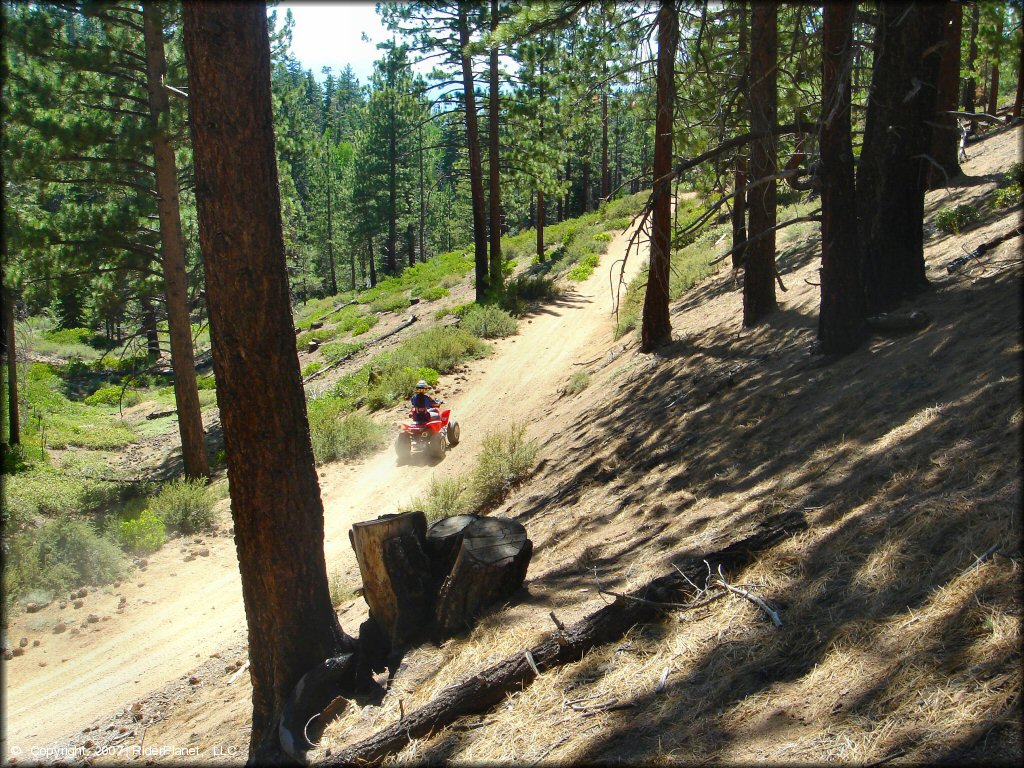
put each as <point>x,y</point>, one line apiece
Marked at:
<point>176,614</point>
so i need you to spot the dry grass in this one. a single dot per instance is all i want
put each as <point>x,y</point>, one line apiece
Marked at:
<point>896,644</point>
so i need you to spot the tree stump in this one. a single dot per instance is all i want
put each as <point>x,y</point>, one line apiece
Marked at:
<point>490,567</point>
<point>396,574</point>
<point>444,539</point>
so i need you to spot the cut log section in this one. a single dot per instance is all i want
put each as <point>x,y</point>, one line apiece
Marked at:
<point>444,539</point>
<point>395,573</point>
<point>490,567</point>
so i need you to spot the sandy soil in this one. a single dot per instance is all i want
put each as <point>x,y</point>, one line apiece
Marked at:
<point>175,614</point>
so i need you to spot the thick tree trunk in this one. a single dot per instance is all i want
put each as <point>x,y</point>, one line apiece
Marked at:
<point>759,272</point>
<point>494,161</point>
<point>739,203</point>
<point>11,353</point>
<point>476,183</point>
<point>969,97</point>
<point>1019,98</point>
<point>396,574</point>
<point>945,148</point>
<point>490,567</point>
<point>275,498</point>
<point>892,172</point>
<point>489,687</point>
<point>172,247</point>
<point>656,327</point>
<point>841,321</point>
<point>392,246</point>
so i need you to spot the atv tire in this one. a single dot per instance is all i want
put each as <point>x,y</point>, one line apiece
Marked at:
<point>436,446</point>
<point>403,446</point>
<point>453,434</point>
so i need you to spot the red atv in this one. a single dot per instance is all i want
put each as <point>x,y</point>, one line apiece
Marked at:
<point>435,435</point>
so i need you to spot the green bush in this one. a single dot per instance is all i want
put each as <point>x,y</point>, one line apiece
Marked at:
<point>70,336</point>
<point>577,383</point>
<point>619,223</point>
<point>526,290</point>
<point>1015,173</point>
<point>450,281</point>
<point>446,496</point>
<point>111,395</point>
<point>506,458</point>
<point>338,349</point>
<point>396,384</point>
<point>489,322</point>
<point>1007,197</point>
<point>363,324</point>
<point>184,505</point>
<point>320,335</point>
<point>433,293</point>
<point>59,555</point>
<point>584,269</point>
<point>145,534</point>
<point>337,435</point>
<point>206,382</point>
<point>310,368</point>
<point>955,220</point>
<point>390,302</point>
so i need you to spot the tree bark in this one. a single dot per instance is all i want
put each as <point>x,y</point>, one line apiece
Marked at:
<point>969,97</point>
<point>495,277</point>
<point>11,352</point>
<point>491,686</point>
<point>739,205</point>
<point>392,246</point>
<point>585,184</point>
<point>993,89</point>
<point>1019,98</point>
<point>423,204</point>
<point>759,271</point>
<point>172,247</point>
<point>149,326</point>
<point>841,320</point>
<point>605,177</point>
<point>373,262</point>
<point>443,542</point>
<point>892,172</point>
<point>476,183</point>
<point>945,134</point>
<point>490,567</point>
<point>395,574</point>
<point>275,498</point>
<point>540,224</point>
<point>656,326</point>
<point>330,242</point>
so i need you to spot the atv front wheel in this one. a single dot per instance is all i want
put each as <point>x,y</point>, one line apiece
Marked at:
<point>453,434</point>
<point>403,446</point>
<point>437,446</point>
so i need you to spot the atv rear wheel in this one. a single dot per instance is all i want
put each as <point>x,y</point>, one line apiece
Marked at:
<point>436,445</point>
<point>403,446</point>
<point>453,434</point>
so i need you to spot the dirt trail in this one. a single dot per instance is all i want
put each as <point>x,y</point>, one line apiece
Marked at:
<point>176,614</point>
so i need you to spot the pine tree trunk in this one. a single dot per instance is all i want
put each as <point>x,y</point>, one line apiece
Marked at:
<point>656,327</point>
<point>540,224</point>
<point>842,319</point>
<point>172,246</point>
<point>476,182</point>
<point>759,272</point>
<point>423,204</point>
<point>149,326</point>
<point>1019,98</point>
<point>11,352</point>
<point>330,243</point>
<point>495,278</point>
<point>969,97</point>
<point>605,177</point>
<point>739,203</point>
<point>585,184</point>
<point>392,252</point>
<point>373,263</point>
<point>993,89</point>
<point>945,136</point>
<point>892,172</point>
<point>275,498</point>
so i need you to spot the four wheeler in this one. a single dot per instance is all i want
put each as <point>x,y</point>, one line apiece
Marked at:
<point>435,435</point>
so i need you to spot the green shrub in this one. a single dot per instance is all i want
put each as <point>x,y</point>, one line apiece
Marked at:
<point>310,368</point>
<point>489,322</point>
<point>577,383</point>
<point>1007,197</point>
<point>184,505</point>
<point>584,269</point>
<point>390,302</point>
<point>1015,173</point>
<point>61,554</point>
<point>506,458</point>
<point>955,220</point>
<point>363,324</point>
<point>526,290</point>
<point>338,349</point>
<point>450,281</point>
<point>603,237</point>
<point>446,496</point>
<point>145,534</point>
<point>71,336</point>
<point>320,335</point>
<point>206,382</point>
<point>396,384</point>
<point>336,434</point>
<point>112,395</point>
<point>433,293</point>
<point>618,223</point>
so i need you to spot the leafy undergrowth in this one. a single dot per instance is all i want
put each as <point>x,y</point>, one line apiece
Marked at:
<point>899,641</point>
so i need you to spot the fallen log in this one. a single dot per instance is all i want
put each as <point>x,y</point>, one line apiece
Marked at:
<point>988,245</point>
<point>490,566</point>
<point>489,687</point>
<point>405,324</point>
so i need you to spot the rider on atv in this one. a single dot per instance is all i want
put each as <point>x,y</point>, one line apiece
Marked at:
<point>424,407</point>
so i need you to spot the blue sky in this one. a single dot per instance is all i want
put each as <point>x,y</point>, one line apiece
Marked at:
<point>329,34</point>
